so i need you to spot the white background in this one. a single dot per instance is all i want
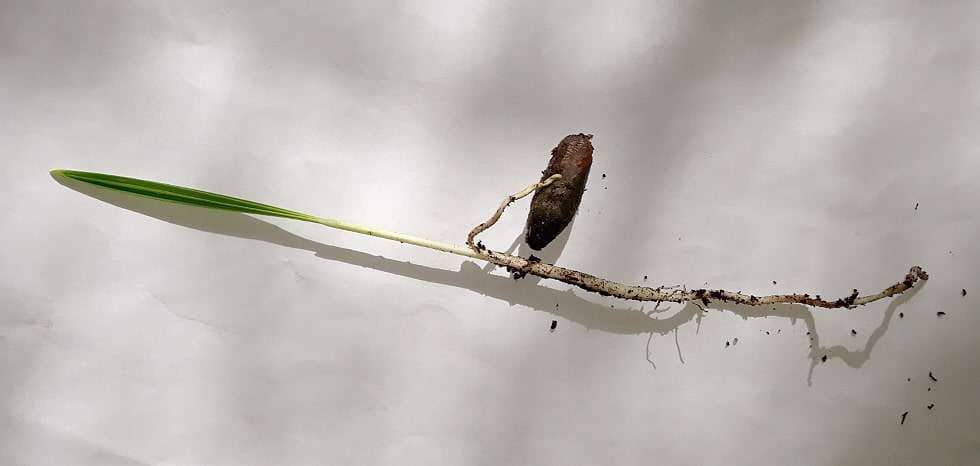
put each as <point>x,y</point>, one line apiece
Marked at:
<point>743,142</point>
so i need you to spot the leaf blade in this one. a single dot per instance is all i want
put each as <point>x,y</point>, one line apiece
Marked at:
<point>180,194</point>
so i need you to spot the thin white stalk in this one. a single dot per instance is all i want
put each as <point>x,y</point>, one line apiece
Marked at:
<point>401,238</point>
<point>473,251</point>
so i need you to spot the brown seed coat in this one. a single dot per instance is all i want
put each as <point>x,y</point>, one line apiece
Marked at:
<point>554,206</point>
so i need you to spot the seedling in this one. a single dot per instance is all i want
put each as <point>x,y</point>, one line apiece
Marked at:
<point>555,203</point>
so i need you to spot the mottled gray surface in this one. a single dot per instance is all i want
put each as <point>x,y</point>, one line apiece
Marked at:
<point>743,142</point>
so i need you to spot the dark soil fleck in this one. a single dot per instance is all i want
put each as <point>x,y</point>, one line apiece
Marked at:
<point>727,344</point>
<point>603,176</point>
<point>932,377</point>
<point>931,405</point>
<point>824,358</point>
<point>901,315</point>
<point>940,313</point>
<point>908,379</point>
<point>903,417</point>
<point>963,292</point>
<point>644,277</point>
<point>916,206</point>
<point>554,325</point>
<point>516,274</point>
<point>853,332</point>
<point>774,282</point>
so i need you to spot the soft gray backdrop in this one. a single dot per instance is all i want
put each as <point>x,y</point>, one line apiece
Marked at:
<point>744,142</point>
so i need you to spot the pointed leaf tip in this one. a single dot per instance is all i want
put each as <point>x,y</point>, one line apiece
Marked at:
<point>180,194</point>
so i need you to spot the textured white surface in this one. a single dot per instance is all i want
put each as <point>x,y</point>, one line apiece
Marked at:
<point>743,142</point>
